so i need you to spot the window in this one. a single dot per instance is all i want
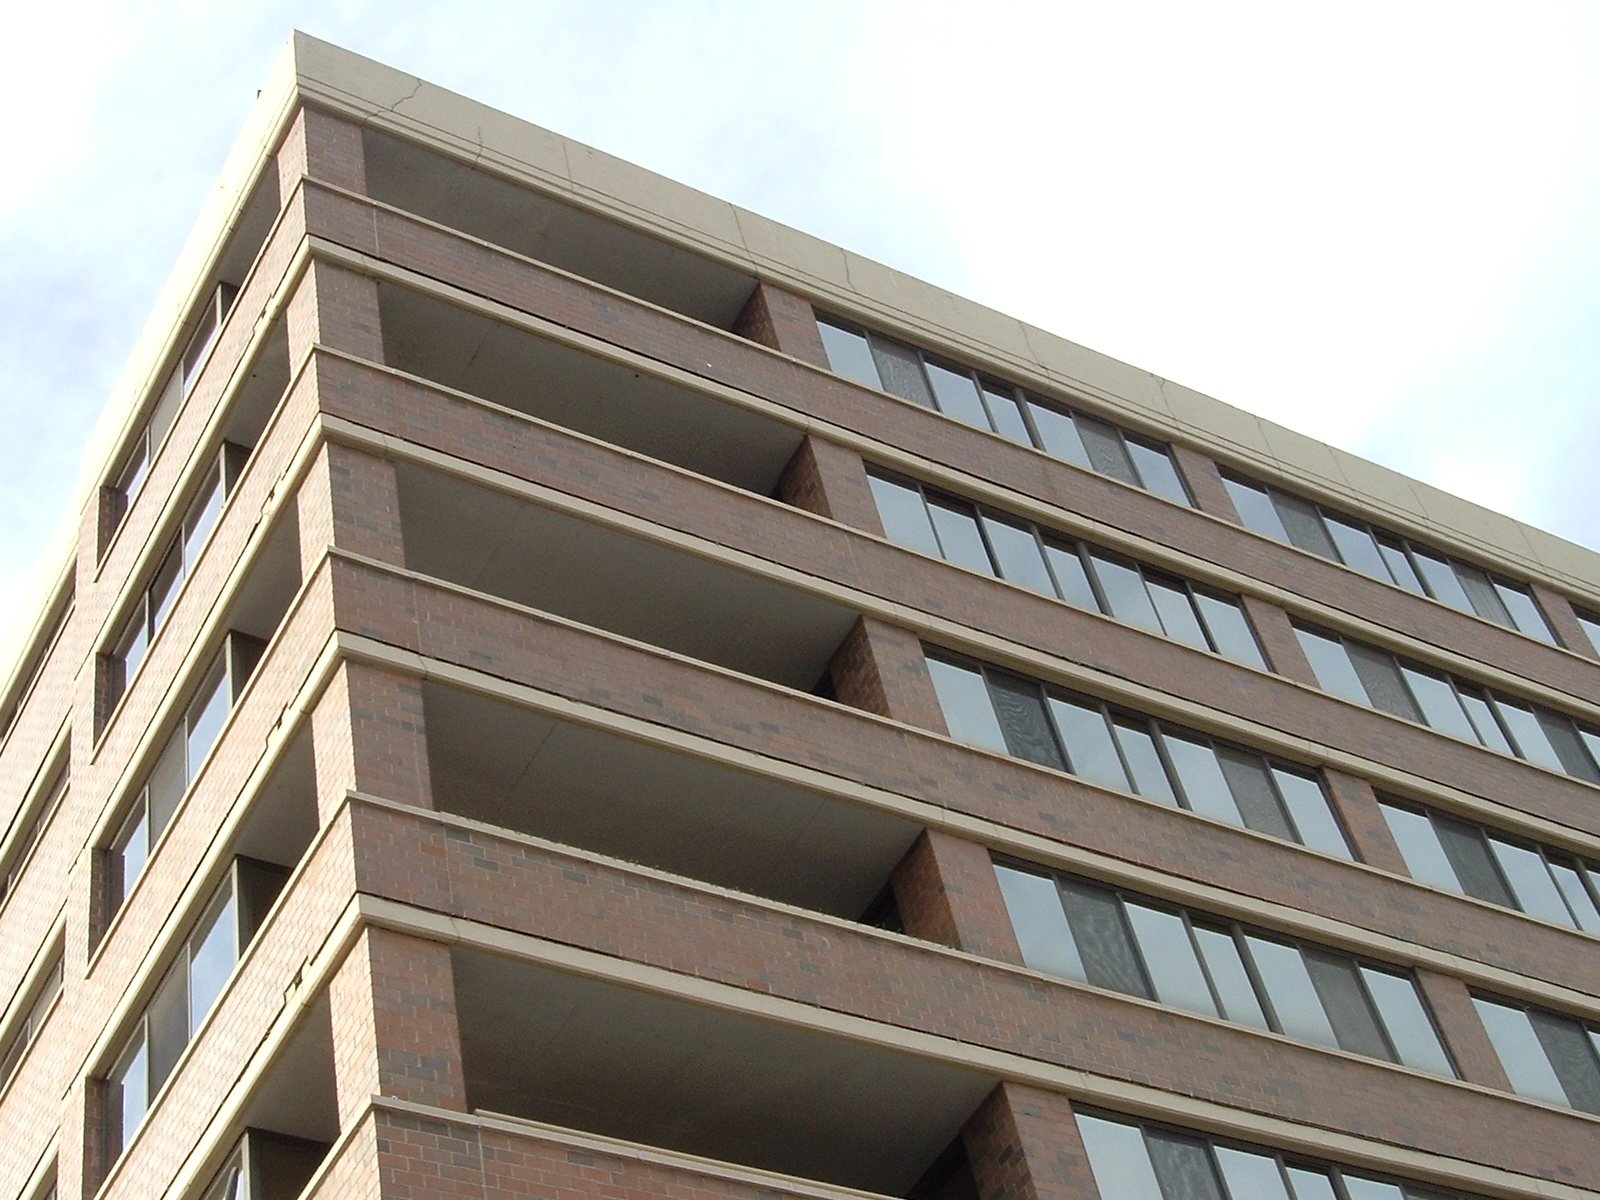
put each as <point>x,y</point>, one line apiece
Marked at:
<point>967,395</point>
<point>1465,858</point>
<point>266,1165</point>
<point>1368,675</point>
<point>135,469</point>
<point>1010,548</point>
<point>38,1006</point>
<point>1591,626</point>
<point>177,765</point>
<point>186,994</point>
<point>1135,1160</point>
<point>1386,556</point>
<point>177,562</point>
<point>1133,753</point>
<point>1547,1056</point>
<point>1211,966</point>
<point>32,817</point>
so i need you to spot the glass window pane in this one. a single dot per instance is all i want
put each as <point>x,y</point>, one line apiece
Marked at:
<point>1571,1057</point>
<point>167,1021</point>
<point>1290,992</point>
<point>207,712</point>
<point>1331,665</point>
<point>1380,675</point>
<point>1420,847</point>
<point>1229,629</point>
<point>1531,882</point>
<point>1017,550</point>
<point>1591,742</point>
<point>1563,738</point>
<point>1108,957</point>
<point>1106,452</point>
<point>1440,578</point>
<point>1481,595</point>
<point>1356,546</point>
<point>1059,433</point>
<point>900,370</point>
<point>1228,975</point>
<point>1308,807</point>
<point>957,395</point>
<point>164,587</point>
<point>905,517</point>
<point>1156,471</point>
<point>1371,1189</point>
<point>1176,611</point>
<point>1020,706</point>
<point>1005,413</point>
<point>1527,734</point>
<point>1087,740</point>
<point>167,783</point>
<point>213,955</point>
<point>1339,989</point>
<point>1311,1184</point>
<point>135,642</point>
<point>1520,1052</point>
<point>1580,899</point>
<point>1118,1159</point>
<point>1253,792</point>
<point>848,354</point>
<point>964,699</point>
<point>1591,626</point>
<point>1468,853</point>
<point>1256,509</point>
<point>1124,592</point>
<point>1199,775</point>
<point>1183,1166</point>
<point>1437,699</point>
<point>959,539</point>
<point>1304,525</point>
<point>129,853</point>
<point>1483,721</point>
<point>202,518</point>
<point>1249,1175</point>
<point>1170,960</point>
<point>1071,576</point>
<point>1144,761</point>
<point>1399,563</point>
<point>1041,927</point>
<point>130,1085</point>
<point>134,472</point>
<point>1525,614</point>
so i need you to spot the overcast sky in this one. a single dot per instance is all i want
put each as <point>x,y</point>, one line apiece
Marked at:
<point>1373,222</point>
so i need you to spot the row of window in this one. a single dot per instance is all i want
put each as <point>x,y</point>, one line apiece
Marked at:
<point>1450,853</point>
<point>186,995</point>
<point>35,663</point>
<point>1083,575</point>
<point>177,563</point>
<point>1207,965</point>
<point>1134,753</point>
<point>1546,1056</point>
<point>1386,556</point>
<point>1134,1160</point>
<point>32,817</point>
<point>26,1031</point>
<point>177,765</point>
<point>135,467</point>
<point>980,400</point>
<point>1368,675</point>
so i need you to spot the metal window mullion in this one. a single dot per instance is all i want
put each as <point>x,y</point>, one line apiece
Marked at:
<point>1025,406</point>
<point>1159,737</point>
<point>1263,998</point>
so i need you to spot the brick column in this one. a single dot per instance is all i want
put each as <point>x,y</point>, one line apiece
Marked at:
<point>1357,806</point>
<point>1023,1144</point>
<point>323,147</point>
<point>337,308</point>
<point>1278,641</point>
<point>368,735</point>
<point>946,891</point>
<point>1462,1030</point>
<point>825,478</point>
<point>1205,483</point>
<point>1558,610</point>
<point>80,1153</point>
<point>351,500</point>
<point>784,322</point>
<point>395,1034</point>
<point>883,670</point>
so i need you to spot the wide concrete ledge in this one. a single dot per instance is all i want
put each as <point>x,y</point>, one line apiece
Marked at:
<point>466,640</point>
<point>839,279</point>
<point>907,437</point>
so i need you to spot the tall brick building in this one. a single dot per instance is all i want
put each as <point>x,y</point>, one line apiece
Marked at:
<point>568,688</point>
